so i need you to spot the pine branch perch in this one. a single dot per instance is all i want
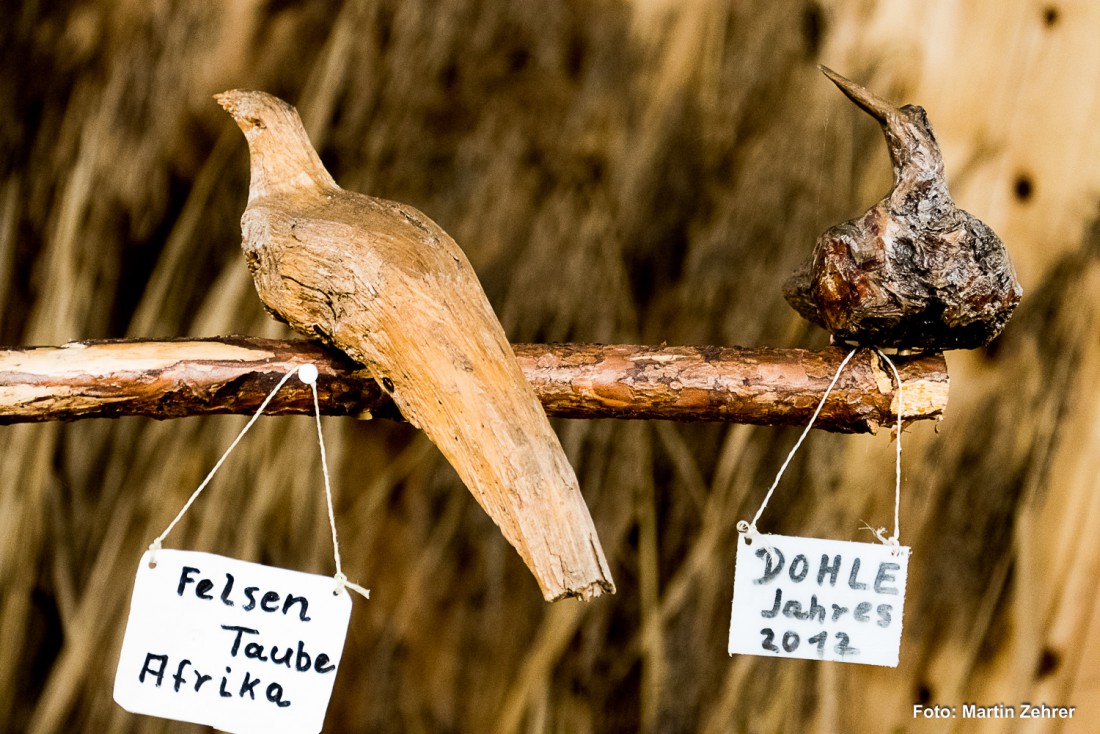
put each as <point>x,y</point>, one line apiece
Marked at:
<point>188,377</point>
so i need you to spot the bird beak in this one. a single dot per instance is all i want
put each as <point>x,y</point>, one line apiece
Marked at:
<point>870,103</point>
<point>228,102</point>
<point>236,103</point>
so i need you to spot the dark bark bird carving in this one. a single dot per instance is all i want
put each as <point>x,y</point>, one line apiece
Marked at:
<point>385,284</point>
<point>915,272</point>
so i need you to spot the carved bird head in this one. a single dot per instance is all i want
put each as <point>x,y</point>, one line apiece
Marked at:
<point>915,272</point>
<point>282,158</point>
<point>914,152</point>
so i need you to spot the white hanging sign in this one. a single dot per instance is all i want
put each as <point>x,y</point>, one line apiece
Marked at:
<point>234,645</point>
<point>818,599</point>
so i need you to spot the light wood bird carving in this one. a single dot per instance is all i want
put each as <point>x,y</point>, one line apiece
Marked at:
<point>384,284</point>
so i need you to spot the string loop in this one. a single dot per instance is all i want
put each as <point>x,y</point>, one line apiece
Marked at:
<point>307,373</point>
<point>749,529</point>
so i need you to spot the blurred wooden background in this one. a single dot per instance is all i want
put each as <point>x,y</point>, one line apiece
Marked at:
<point>616,171</point>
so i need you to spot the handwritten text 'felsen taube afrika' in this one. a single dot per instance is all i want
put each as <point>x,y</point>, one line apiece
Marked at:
<point>232,644</point>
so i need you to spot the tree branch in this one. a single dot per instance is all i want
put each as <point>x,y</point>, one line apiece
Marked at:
<point>186,377</point>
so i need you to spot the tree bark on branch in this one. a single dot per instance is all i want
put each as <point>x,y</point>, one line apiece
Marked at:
<point>187,377</point>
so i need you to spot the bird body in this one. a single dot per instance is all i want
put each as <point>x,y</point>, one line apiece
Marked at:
<point>914,272</point>
<point>386,285</point>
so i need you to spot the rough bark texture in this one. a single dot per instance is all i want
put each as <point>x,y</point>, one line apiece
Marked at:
<point>915,271</point>
<point>384,284</point>
<point>173,379</point>
<point>763,386</point>
<point>617,173</point>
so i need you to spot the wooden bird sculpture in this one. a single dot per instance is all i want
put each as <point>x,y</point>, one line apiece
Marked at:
<point>384,284</point>
<point>914,273</point>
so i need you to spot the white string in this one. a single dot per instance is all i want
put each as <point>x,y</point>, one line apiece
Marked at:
<point>341,580</point>
<point>749,529</point>
<point>156,544</point>
<point>308,374</point>
<point>894,540</point>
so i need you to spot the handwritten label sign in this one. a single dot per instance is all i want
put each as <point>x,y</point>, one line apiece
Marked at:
<point>235,645</point>
<point>818,599</point>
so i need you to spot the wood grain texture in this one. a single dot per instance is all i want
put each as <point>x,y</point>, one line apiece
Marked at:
<point>653,171</point>
<point>385,285</point>
<point>173,379</point>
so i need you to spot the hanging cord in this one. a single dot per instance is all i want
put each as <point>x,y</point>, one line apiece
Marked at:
<point>749,529</point>
<point>894,540</point>
<point>156,544</point>
<point>307,373</point>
